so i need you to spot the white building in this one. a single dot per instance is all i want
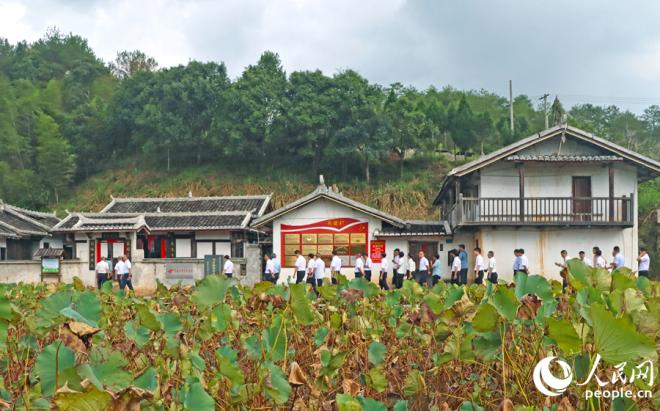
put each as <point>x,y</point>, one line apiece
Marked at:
<point>325,220</point>
<point>562,188</point>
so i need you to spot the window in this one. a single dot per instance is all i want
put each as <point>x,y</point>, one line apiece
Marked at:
<point>3,253</point>
<point>318,240</point>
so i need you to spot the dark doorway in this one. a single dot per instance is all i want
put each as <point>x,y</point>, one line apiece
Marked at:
<point>430,249</point>
<point>581,198</point>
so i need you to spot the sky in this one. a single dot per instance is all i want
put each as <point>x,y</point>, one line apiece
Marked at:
<point>599,51</point>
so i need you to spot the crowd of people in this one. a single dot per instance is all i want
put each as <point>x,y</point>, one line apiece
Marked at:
<point>426,271</point>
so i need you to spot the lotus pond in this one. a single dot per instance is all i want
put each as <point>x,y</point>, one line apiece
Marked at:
<point>351,347</point>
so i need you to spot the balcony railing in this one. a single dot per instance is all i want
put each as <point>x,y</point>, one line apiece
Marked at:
<point>542,211</point>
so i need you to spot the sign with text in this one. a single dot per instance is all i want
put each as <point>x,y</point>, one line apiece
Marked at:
<point>179,271</point>
<point>213,264</point>
<point>376,250</point>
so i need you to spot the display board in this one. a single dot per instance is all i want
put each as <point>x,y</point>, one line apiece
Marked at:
<point>346,236</point>
<point>376,250</point>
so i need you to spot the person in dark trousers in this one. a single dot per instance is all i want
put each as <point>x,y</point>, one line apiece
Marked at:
<point>455,267</point>
<point>400,272</point>
<point>359,266</point>
<point>382,279</point>
<point>301,267</point>
<point>228,268</point>
<point>462,254</point>
<point>127,274</point>
<point>492,268</point>
<point>396,263</point>
<point>102,272</point>
<point>423,269</point>
<point>436,270</point>
<point>479,266</point>
<point>644,263</point>
<point>367,268</point>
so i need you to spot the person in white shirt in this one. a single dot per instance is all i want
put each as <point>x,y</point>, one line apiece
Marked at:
<point>455,267</point>
<point>269,269</point>
<point>492,268</point>
<point>382,279</point>
<point>618,260</point>
<point>564,267</point>
<point>423,269</point>
<point>301,267</point>
<point>359,266</point>
<point>411,268</point>
<point>586,260</point>
<point>311,268</point>
<point>599,260</point>
<point>436,270</point>
<point>126,278</point>
<point>228,269</point>
<point>368,264</point>
<point>102,272</point>
<point>335,267</point>
<point>644,263</point>
<point>319,272</point>
<point>396,263</point>
<point>478,266</point>
<point>400,271</point>
<point>524,261</point>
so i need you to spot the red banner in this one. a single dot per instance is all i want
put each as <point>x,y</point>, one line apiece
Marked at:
<point>336,225</point>
<point>376,249</point>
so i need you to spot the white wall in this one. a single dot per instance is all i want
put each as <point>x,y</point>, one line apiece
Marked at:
<point>543,246</point>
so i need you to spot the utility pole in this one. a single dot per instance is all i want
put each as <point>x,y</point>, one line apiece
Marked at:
<point>511,104</point>
<point>545,107</point>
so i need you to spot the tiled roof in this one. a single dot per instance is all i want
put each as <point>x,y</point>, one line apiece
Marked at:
<point>49,252</point>
<point>154,221</point>
<point>21,222</point>
<point>416,228</point>
<point>322,191</point>
<point>563,158</point>
<point>257,205</point>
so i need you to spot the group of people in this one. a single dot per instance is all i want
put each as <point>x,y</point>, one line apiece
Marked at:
<point>618,260</point>
<point>123,271</point>
<point>313,268</point>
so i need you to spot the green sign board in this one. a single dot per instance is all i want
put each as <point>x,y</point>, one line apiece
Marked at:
<point>50,265</point>
<point>213,264</point>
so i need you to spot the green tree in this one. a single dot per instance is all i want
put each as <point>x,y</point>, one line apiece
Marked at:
<point>55,161</point>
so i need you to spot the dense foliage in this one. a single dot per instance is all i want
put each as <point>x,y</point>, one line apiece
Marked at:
<point>65,115</point>
<point>353,347</point>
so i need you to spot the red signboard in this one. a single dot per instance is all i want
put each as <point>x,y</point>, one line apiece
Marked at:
<point>376,250</point>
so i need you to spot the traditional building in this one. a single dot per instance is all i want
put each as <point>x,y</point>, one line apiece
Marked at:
<point>325,221</point>
<point>562,188</point>
<point>164,228</point>
<point>23,232</point>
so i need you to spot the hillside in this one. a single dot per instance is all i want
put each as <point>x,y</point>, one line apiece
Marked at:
<point>409,198</point>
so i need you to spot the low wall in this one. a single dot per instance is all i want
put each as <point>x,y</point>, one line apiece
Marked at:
<point>145,272</point>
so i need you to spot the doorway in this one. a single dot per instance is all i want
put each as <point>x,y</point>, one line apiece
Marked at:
<point>582,198</point>
<point>430,249</point>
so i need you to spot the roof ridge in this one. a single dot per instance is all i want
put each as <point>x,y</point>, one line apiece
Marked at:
<point>156,199</point>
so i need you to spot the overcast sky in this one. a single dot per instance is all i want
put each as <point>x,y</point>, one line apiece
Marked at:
<point>605,52</point>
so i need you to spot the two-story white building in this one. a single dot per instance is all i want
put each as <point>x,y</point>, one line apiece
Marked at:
<point>562,188</point>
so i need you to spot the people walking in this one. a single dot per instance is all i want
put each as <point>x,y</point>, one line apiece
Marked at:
<point>277,267</point>
<point>319,272</point>
<point>126,278</point>
<point>618,260</point>
<point>400,271</point>
<point>411,267</point>
<point>269,269</point>
<point>396,264</point>
<point>479,266</point>
<point>382,279</point>
<point>564,267</point>
<point>462,255</point>
<point>228,268</point>
<point>359,266</point>
<point>524,261</point>
<point>517,261</point>
<point>455,267</point>
<point>368,264</point>
<point>335,267</point>
<point>102,272</point>
<point>301,267</point>
<point>492,268</point>
<point>586,260</point>
<point>423,269</point>
<point>599,260</point>
<point>436,270</point>
<point>311,268</point>
<point>644,263</point>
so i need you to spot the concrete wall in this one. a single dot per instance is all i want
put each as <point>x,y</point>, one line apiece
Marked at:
<point>543,246</point>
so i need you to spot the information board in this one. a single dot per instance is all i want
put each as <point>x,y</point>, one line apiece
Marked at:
<point>376,250</point>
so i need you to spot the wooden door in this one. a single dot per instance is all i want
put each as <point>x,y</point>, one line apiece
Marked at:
<point>581,198</point>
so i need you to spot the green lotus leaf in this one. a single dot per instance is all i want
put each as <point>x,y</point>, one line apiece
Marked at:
<point>485,319</point>
<point>564,335</point>
<point>300,304</point>
<point>617,340</point>
<point>210,291</point>
<point>376,353</point>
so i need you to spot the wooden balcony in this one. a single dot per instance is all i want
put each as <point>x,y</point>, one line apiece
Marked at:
<point>542,211</point>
